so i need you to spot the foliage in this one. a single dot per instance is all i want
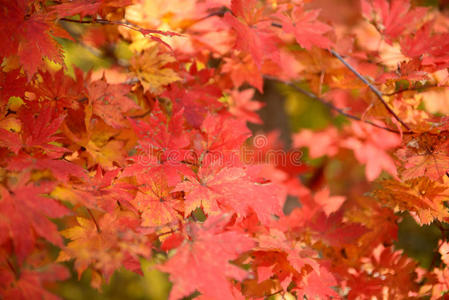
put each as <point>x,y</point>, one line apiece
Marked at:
<point>147,163</point>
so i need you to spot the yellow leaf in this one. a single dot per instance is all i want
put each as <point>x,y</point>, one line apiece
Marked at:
<point>149,69</point>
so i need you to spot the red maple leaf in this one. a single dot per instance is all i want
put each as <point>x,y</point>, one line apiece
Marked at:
<point>162,146</point>
<point>396,16</point>
<point>40,122</point>
<point>59,88</point>
<point>224,135</point>
<point>15,82</point>
<point>30,283</point>
<point>218,188</point>
<point>109,101</point>
<point>196,96</point>
<point>27,36</point>
<point>254,33</point>
<point>307,29</point>
<point>241,69</point>
<point>202,262</point>
<point>425,154</point>
<point>154,199</point>
<point>25,210</point>
<point>61,169</point>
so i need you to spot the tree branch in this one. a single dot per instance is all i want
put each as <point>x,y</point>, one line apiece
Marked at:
<point>335,108</point>
<point>131,26</point>
<point>125,24</point>
<point>371,87</point>
<point>365,81</point>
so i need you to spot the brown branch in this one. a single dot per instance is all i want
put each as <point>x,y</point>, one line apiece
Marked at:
<point>150,32</point>
<point>100,21</point>
<point>125,24</point>
<point>371,87</point>
<point>337,109</point>
<point>364,80</point>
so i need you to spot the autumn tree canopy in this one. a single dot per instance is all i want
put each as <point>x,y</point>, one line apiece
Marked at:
<point>147,156</point>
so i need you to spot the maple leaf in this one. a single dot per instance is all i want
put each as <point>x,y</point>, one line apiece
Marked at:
<point>329,204</point>
<point>162,147</point>
<point>253,33</point>
<point>218,188</point>
<point>397,274</point>
<point>439,287</point>
<point>40,122</point>
<point>15,82</point>
<point>317,285</point>
<point>320,143</point>
<point>307,29</point>
<point>421,196</point>
<point>197,96</point>
<point>396,16</point>
<point>424,155</point>
<point>202,263</point>
<point>288,261</point>
<point>372,142</point>
<point>149,67</point>
<point>104,244</point>
<point>109,101</point>
<point>27,36</point>
<point>335,231</point>
<point>99,142</point>
<point>444,251</point>
<point>243,107</point>
<point>10,140</point>
<point>242,69</point>
<point>208,189</point>
<point>61,170</point>
<point>60,88</point>
<point>101,191</point>
<point>156,202</point>
<point>220,134</point>
<point>25,210</point>
<point>370,213</point>
<point>161,135</point>
<point>30,283</point>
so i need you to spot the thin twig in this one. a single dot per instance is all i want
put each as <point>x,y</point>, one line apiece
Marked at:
<point>338,110</point>
<point>150,32</point>
<point>167,232</point>
<point>415,88</point>
<point>371,87</point>
<point>125,24</point>
<point>274,293</point>
<point>364,80</point>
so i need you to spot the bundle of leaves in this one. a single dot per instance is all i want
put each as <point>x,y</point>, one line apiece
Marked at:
<point>148,157</point>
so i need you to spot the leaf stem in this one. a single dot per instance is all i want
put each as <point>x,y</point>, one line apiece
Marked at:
<point>93,219</point>
<point>13,269</point>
